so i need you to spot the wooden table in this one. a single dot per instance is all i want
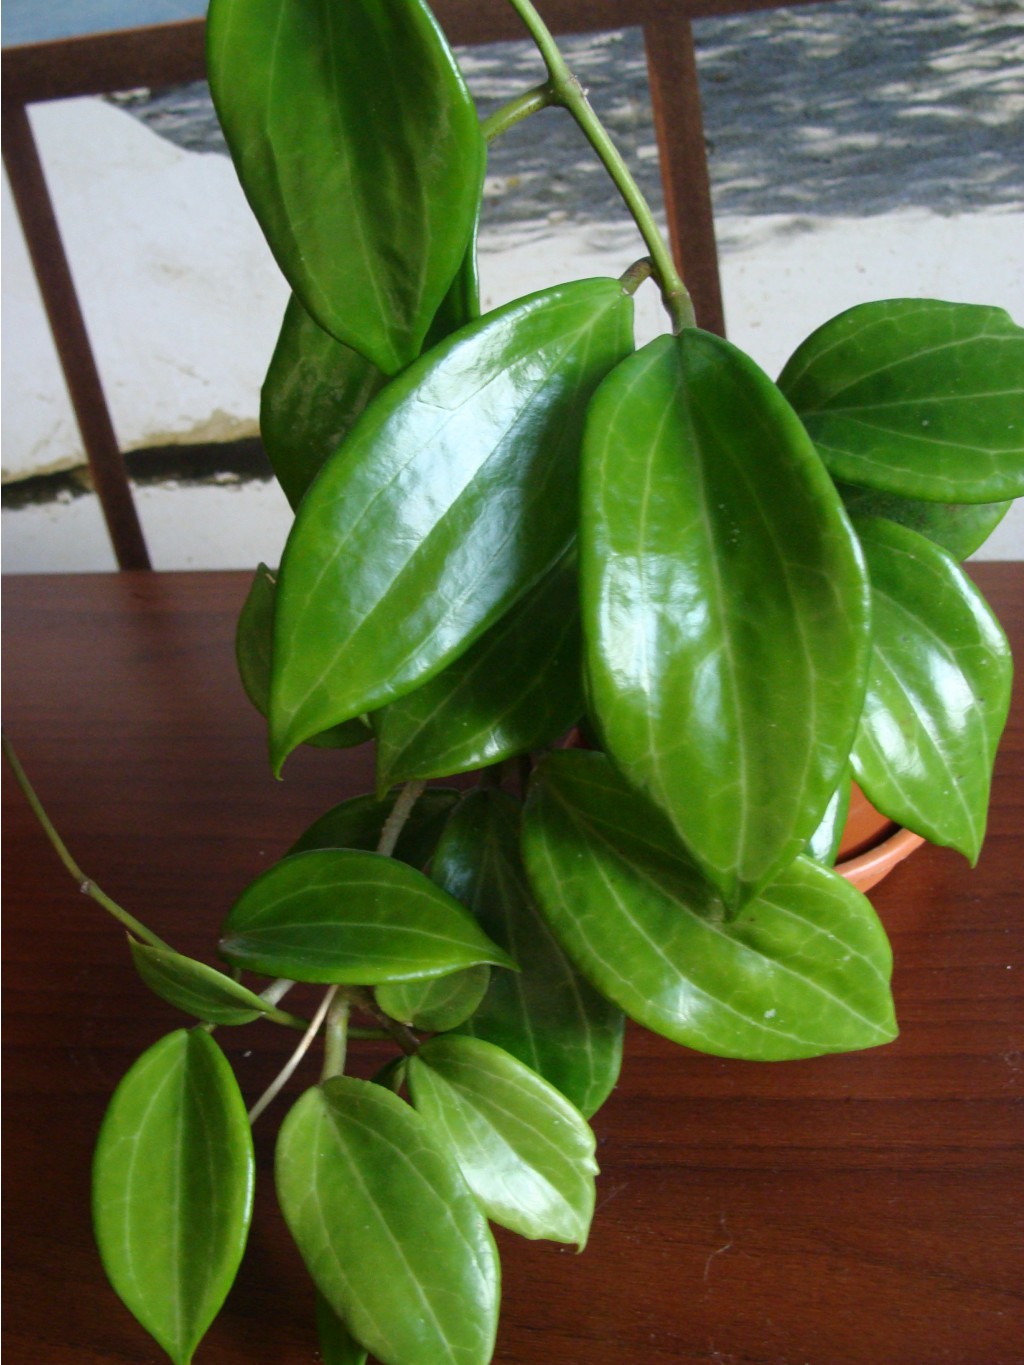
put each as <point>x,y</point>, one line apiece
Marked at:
<point>856,1209</point>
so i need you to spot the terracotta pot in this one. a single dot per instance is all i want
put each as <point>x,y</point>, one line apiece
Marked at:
<point>871,845</point>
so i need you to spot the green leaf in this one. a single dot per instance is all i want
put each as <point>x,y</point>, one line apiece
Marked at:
<point>386,1226</point>
<point>916,397</point>
<point>938,693</point>
<point>442,1003</point>
<point>802,970</point>
<point>518,688</point>
<point>524,1150</point>
<point>172,1188</point>
<point>546,1014</point>
<point>452,497</point>
<point>358,823</point>
<point>360,152</point>
<point>961,528</point>
<point>253,648</point>
<point>823,845</point>
<point>337,1344</point>
<point>194,987</point>
<point>343,915</point>
<point>725,606</point>
<point>315,389</point>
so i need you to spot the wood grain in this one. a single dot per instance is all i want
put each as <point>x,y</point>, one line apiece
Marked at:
<point>857,1210</point>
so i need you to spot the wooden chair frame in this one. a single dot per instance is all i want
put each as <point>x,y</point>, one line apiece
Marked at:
<point>173,54</point>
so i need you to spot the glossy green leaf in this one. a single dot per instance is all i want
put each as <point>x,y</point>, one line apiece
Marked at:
<point>725,605</point>
<point>337,1344</point>
<point>961,528</point>
<point>386,1226</point>
<point>823,845</point>
<point>172,1188</point>
<point>358,823</point>
<point>359,150</point>
<point>518,688</point>
<point>194,987</point>
<point>253,650</point>
<point>938,694</point>
<point>524,1150</point>
<point>802,970</point>
<point>452,497</point>
<point>442,1003</point>
<point>917,397</point>
<point>315,389</point>
<point>545,1014</point>
<point>344,915</point>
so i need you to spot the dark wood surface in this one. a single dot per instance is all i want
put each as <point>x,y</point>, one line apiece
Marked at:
<point>856,1210</point>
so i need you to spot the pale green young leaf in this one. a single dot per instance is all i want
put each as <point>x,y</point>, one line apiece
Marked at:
<point>802,970</point>
<point>524,1150</point>
<point>194,987</point>
<point>938,693</point>
<point>355,918</point>
<point>545,1014</point>
<point>172,1188</point>
<point>442,1003</point>
<point>387,1228</point>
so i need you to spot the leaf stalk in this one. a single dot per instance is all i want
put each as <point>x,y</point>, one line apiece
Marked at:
<point>569,93</point>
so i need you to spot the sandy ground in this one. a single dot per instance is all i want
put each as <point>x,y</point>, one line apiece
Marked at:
<point>884,161</point>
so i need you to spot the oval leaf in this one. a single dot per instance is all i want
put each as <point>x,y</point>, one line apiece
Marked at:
<point>437,1005</point>
<point>452,496</point>
<point>386,1226</point>
<point>802,970</point>
<point>961,528</point>
<point>370,210</point>
<point>917,397</point>
<point>253,648</point>
<point>938,694</point>
<point>194,987</point>
<point>725,605</point>
<point>172,1188</point>
<point>358,919</point>
<point>358,823</point>
<point>315,389</point>
<point>518,688</point>
<point>546,1014</point>
<point>524,1150</point>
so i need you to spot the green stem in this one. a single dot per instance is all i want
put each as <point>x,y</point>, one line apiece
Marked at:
<point>85,884</point>
<point>336,1039</point>
<point>567,91</point>
<point>400,812</point>
<point>532,102</point>
<point>404,1037</point>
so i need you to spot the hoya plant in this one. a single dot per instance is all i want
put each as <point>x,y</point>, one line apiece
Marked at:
<point>665,607</point>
